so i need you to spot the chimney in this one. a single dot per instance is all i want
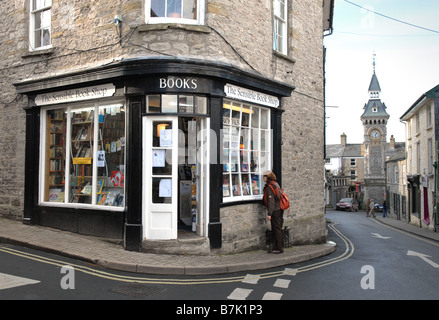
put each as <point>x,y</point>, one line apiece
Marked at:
<point>343,139</point>
<point>392,142</point>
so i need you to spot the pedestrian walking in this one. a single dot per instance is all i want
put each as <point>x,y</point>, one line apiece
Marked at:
<point>367,207</point>
<point>371,207</point>
<point>274,212</point>
<point>384,208</point>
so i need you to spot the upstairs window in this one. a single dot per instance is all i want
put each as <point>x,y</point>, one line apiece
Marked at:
<point>280,26</point>
<point>40,24</point>
<point>175,11</point>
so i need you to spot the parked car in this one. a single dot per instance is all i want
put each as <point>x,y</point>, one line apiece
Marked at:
<point>348,204</point>
<point>378,207</point>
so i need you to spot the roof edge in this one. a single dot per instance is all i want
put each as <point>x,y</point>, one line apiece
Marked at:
<point>427,95</point>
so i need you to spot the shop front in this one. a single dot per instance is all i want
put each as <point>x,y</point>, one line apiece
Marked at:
<point>148,149</point>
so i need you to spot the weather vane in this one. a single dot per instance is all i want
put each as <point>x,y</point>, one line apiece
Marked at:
<point>374,63</point>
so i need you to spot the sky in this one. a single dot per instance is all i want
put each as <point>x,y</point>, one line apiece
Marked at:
<point>407,62</point>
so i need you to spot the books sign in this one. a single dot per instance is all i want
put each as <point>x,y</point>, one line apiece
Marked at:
<point>72,95</point>
<point>248,95</point>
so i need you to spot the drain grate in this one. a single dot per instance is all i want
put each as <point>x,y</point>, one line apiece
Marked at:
<point>138,290</point>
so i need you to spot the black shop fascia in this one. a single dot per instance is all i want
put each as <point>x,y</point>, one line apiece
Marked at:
<point>145,149</point>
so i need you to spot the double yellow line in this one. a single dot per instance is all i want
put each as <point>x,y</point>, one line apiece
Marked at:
<point>145,280</point>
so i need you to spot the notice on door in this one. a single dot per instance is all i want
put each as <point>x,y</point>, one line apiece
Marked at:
<point>165,188</point>
<point>166,138</point>
<point>158,158</point>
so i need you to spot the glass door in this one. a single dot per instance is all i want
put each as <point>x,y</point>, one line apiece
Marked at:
<point>160,179</point>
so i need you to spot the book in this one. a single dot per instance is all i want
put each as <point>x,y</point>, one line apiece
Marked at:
<point>56,195</point>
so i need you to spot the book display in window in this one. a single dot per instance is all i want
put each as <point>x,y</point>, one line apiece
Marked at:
<point>81,171</point>
<point>246,149</point>
<point>55,156</point>
<point>93,170</point>
<point>111,157</point>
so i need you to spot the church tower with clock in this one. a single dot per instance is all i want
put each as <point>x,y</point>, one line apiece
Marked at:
<point>374,119</point>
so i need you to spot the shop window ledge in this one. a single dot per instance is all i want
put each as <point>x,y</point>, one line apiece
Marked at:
<point>165,26</point>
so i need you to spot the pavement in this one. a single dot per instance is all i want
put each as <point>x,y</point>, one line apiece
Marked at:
<point>407,227</point>
<point>113,256</point>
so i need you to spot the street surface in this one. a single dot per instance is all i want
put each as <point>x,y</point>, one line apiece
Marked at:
<point>372,261</point>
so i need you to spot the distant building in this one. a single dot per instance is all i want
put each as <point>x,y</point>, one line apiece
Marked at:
<point>396,182</point>
<point>422,125</point>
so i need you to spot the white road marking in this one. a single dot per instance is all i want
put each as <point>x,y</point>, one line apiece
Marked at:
<point>272,296</point>
<point>289,272</point>
<point>423,257</point>
<point>282,283</point>
<point>239,294</point>
<point>251,278</point>
<point>377,235</point>
<point>8,281</point>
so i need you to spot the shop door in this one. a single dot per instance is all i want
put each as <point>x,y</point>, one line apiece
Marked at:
<point>160,179</point>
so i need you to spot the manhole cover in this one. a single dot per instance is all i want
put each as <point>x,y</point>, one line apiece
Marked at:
<point>138,290</point>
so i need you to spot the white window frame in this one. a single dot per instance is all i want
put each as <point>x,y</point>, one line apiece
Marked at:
<point>43,144</point>
<point>156,20</point>
<point>262,166</point>
<point>33,12</point>
<point>280,39</point>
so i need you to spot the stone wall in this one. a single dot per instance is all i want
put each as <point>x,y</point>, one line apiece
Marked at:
<point>244,227</point>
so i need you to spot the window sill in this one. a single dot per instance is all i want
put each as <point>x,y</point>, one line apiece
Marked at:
<point>165,26</point>
<point>81,206</point>
<point>40,52</point>
<point>236,202</point>
<point>283,56</point>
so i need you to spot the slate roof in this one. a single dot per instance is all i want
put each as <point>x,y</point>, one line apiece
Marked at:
<point>368,109</point>
<point>375,102</point>
<point>354,150</point>
<point>428,95</point>
<point>347,151</point>
<point>374,84</point>
<point>398,153</point>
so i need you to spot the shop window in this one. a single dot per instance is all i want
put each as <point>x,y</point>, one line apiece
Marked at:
<point>179,11</point>
<point>40,24</point>
<point>55,156</point>
<point>173,103</point>
<point>246,150</point>
<point>84,158</point>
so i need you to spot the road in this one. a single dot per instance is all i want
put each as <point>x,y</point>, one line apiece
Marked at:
<point>372,261</point>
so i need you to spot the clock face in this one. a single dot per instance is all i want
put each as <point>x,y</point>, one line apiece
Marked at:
<point>375,134</point>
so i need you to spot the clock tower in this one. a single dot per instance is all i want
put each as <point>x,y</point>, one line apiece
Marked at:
<point>374,119</point>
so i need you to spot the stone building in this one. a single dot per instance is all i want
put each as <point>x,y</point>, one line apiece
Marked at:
<point>422,133</point>
<point>146,120</point>
<point>396,183</point>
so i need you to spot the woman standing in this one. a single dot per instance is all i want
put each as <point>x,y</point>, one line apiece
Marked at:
<point>274,214</point>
